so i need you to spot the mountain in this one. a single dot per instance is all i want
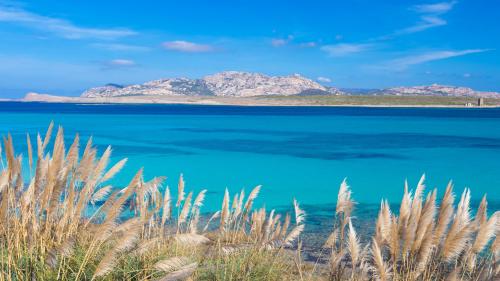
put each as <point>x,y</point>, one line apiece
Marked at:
<point>438,90</point>
<point>224,84</point>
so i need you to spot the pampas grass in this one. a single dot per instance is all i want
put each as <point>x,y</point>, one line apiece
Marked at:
<point>67,222</point>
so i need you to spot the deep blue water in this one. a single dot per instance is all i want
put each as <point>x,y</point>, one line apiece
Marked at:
<point>301,152</point>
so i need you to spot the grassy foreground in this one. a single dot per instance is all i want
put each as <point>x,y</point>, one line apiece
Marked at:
<point>46,232</point>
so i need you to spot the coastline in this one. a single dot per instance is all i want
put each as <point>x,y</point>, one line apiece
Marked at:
<point>282,101</point>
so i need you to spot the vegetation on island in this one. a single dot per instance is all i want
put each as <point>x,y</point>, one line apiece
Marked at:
<point>65,222</point>
<point>382,100</point>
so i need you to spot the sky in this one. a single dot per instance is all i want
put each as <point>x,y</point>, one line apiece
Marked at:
<point>65,47</point>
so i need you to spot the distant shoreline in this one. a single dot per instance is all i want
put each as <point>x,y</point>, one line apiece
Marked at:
<point>284,101</point>
<point>267,105</point>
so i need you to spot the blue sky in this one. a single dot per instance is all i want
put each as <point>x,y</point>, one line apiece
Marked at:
<point>64,47</point>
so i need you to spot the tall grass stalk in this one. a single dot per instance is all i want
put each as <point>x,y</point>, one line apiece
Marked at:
<point>66,222</point>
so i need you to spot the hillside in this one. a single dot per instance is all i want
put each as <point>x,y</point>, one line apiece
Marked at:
<point>224,84</point>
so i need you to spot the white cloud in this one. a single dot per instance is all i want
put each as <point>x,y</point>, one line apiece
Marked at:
<point>278,42</point>
<point>120,47</point>
<point>430,16</point>
<point>122,62</point>
<point>188,47</point>
<point>436,8</point>
<point>59,27</point>
<point>344,49</point>
<point>308,45</point>
<point>324,79</point>
<point>467,75</point>
<point>425,23</point>
<point>405,62</point>
<point>117,63</point>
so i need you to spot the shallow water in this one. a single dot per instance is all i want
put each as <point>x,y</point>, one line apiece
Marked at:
<point>301,152</point>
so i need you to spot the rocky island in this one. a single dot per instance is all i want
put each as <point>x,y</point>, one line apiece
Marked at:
<point>246,88</point>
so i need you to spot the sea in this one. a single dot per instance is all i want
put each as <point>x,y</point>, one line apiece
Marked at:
<point>301,153</point>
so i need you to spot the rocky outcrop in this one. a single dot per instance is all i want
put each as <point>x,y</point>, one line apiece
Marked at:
<point>439,90</point>
<point>224,84</point>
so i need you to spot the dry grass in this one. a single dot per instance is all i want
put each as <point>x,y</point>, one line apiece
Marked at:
<point>51,229</point>
<point>425,242</point>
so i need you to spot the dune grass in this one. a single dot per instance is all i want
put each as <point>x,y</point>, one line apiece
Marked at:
<point>65,223</point>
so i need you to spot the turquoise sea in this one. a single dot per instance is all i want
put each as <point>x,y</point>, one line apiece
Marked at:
<point>293,152</point>
<point>301,152</point>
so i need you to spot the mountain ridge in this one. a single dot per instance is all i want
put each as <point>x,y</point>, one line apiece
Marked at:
<point>251,84</point>
<point>224,84</point>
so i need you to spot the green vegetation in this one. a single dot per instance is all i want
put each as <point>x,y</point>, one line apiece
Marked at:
<point>382,100</point>
<point>47,234</point>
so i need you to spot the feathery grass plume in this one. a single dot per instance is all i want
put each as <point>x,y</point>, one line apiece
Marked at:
<point>300,214</point>
<point>251,197</point>
<point>454,275</point>
<point>487,230</point>
<point>114,170</point>
<point>30,151</point>
<point>87,163</point>
<point>235,201</point>
<point>64,250</point>
<point>171,264</point>
<point>383,224</point>
<point>344,201</point>
<point>106,265</point>
<point>191,239</point>
<point>286,225</point>
<point>293,235</point>
<point>4,180</point>
<point>105,229</point>
<point>425,252</point>
<point>146,245</point>
<point>180,191</point>
<point>239,206</point>
<point>394,240</point>
<point>213,217</point>
<point>425,222</point>
<point>299,224</point>
<point>331,241</point>
<point>151,187</point>
<point>130,232</point>
<point>482,213</point>
<point>445,214</point>
<point>459,233</point>
<point>48,134</point>
<point>344,206</point>
<point>100,194</point>
<point>353,244</point>
<point>495,250</point>
<point>102,163</point>
<point>495,246</point>
<point>381,269</point>
<point>73,153</point>
<point>182,273</point>
<point>410,231</point>
<point>268,225</point>
<point>186,207</point>
<point>224,213</point>
<point>166,207</point>
<point>198,202</point>
<point>404,209</point>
